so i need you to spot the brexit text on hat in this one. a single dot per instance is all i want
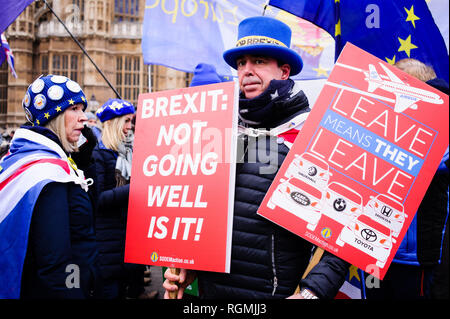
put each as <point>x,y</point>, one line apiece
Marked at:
<point>257,40</point>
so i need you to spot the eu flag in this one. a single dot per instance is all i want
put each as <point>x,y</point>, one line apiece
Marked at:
<point>10,10</point>
<point>390,30</point>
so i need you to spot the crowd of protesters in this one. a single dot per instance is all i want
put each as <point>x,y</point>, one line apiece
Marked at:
<point>66,182</point>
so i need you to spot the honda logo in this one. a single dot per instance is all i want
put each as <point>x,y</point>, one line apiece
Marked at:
<point>386,211</point>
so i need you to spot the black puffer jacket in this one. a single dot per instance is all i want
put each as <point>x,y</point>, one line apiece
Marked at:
<point>268,261</point>
<point>110,215</point>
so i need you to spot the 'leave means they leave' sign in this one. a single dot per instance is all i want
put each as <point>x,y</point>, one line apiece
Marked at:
<point>357,172</point>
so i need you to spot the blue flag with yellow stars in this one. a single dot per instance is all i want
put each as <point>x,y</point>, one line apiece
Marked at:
<point>390,30</point>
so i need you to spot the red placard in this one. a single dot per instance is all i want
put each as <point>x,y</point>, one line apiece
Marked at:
<point>182,187</point>
<point>356,174</point>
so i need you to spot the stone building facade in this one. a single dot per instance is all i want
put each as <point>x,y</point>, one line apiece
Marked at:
<point>109,30</point>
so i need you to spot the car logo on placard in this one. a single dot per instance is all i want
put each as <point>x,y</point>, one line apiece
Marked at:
<point>368,234</point>
<point>300,198</point>
<point>339,204</point>
<point>386,211</point>
<point>312,171</point>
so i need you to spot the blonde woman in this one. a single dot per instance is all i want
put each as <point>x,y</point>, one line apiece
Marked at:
<point>112,158</point>
<point>416,68</point>
<point>46,215</point>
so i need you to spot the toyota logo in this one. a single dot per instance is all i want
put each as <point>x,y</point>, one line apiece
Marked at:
<point>339,204</point>
<point>386,211</point>
<point>368,234</point>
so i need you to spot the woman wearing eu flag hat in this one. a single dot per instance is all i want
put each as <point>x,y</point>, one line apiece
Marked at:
<point>48,247</point>
<point>112,158</point>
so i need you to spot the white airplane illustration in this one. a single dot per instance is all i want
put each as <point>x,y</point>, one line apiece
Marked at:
<point>406,96</point>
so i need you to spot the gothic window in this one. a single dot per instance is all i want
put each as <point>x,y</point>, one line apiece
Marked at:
<point>44,64</point>
<point>80,5</point>
<point>65,64</point>
<point>126,10</point>
<point>128,77</point>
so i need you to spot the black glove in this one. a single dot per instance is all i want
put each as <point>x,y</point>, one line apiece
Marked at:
<point>84,155</point>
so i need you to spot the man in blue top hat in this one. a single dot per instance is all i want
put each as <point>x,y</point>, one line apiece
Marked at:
<point>267,261</point>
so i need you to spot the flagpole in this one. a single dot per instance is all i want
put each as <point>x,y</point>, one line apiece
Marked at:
<point>265,7</point>
<point>82,49</point>
<point>150,78</point>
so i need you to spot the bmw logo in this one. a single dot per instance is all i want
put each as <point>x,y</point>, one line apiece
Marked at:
<point>339,204</point>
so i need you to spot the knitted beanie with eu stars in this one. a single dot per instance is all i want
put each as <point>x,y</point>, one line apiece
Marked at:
<point>114,108</point>
<point>49,96</point>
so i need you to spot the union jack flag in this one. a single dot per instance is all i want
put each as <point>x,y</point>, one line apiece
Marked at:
<point>353,287</point>
<point>32,162</point>
<point>6,53</point>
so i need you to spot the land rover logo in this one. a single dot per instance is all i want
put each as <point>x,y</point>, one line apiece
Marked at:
<point>312,171</point>
<point>300,198</point>
<point>339,204</point>
<point>368,234</point>
<point>386,211</point>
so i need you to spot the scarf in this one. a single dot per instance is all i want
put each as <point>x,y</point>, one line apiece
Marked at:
<point>123,163</point>
<point>279,102</point>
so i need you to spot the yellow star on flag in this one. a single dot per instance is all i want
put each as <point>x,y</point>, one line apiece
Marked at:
<point>321,71</point>
<point>406,45</point>
<point>46,115</point>
<point>84,100</point>
<point>71,102</point>
<point>411,16</point>
<point>37,122</point>
<point>390,61</point>
<point>337,28</point>
<point>353,272</point>
<point>58,109</point>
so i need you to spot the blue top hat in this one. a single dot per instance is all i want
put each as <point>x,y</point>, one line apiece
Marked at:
<point>114,108</point>
<point>50,95</point>
<point>205,74</point>
<point>264,36</point>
